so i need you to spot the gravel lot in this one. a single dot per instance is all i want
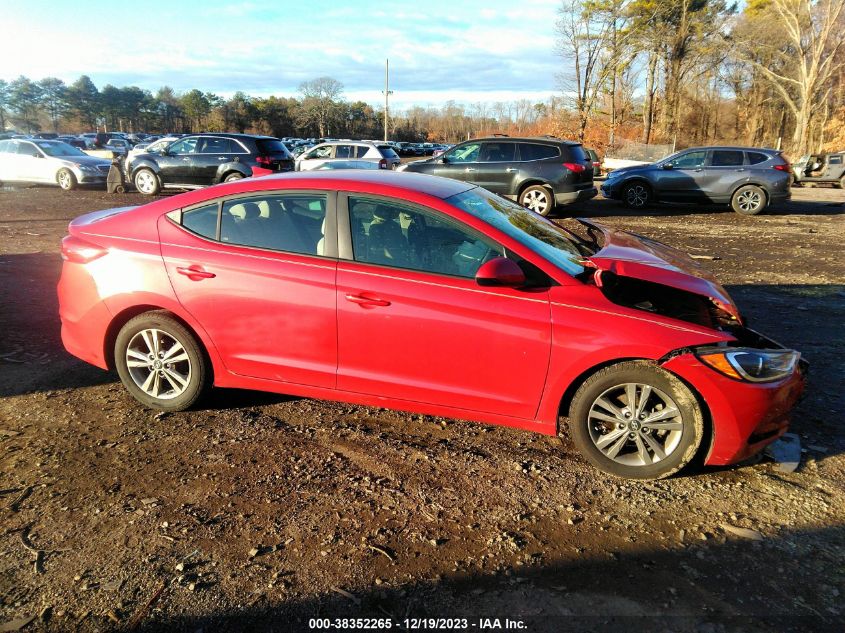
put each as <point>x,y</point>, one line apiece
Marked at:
<point>258,512</point>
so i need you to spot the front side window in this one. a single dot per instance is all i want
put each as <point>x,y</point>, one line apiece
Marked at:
<point>320,152</point>
<point>291,222</point>
<point>464,153</point>
<point>726,158</point>
<point>690,160</point>
<point>185,146</point>
<point>344,151</point>
<point>389,233</point>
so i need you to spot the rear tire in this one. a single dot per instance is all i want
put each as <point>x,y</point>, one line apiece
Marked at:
<point>538,198</point>
<point>618,438</point>
<point>749,200</point>
<point>842,182</point>
<point>636,195</point>
<point>161,363</point>
<point>233,177</point>
<point>66,179</point>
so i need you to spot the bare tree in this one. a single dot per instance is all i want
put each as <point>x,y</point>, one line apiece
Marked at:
<point>805,40</point>
<point>319,102</point>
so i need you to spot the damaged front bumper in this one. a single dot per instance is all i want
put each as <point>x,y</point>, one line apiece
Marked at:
<point>745,416</point>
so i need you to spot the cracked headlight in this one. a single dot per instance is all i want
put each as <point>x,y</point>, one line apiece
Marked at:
<point>752,365</point>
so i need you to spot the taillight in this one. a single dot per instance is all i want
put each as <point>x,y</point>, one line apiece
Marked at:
<point>382,164</point>
<point>575,167</point>
<point>79,251</point>
<point>265,161</point>
<point>786,167</point>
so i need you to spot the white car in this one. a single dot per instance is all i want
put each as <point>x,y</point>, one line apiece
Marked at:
<point>380,153</point>
<point>50,162</point>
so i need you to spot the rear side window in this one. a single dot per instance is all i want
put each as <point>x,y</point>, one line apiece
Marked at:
<point>217,145</point>
<point>268,146</point>
<point>202,221</point>
<point>344,151</point>
<point>498,152</point>
<point>755,158</point>
<point>361,151</point>
<point>293,223</point>
<point>726,158</point>
<point>387,151</point>
<point>834,160</point>
<point>537,151</point>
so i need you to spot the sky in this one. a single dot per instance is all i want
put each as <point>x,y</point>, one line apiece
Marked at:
<point>464,50</point>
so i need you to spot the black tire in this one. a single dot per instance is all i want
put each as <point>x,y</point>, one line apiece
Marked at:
<point>842,182</point>
<point>166,392</point>
<point>65,179</point>
<point>636,195</point>
<point>679,443</point>
<point>538,198</point>
<point>749,200</point>
<point>146,182</point>
<point>233,177</point>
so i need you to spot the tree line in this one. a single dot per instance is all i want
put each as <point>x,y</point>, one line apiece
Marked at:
<point>680,72</point>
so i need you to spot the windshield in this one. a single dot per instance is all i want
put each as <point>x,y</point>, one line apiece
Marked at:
<point>526,227</point>
<point>57,148</point>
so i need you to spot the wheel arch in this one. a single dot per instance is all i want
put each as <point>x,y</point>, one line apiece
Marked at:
<point>224,171</point>
<point>144,164</point>
<point>532,181</point>
<point>123,317</point>
<point>708,437</point>
<point>754,183</point>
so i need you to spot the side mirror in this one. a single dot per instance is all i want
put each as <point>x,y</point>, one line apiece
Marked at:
<point>668,166</point>
<point>500,271</point>
<point>444,159</point>
<point>36,155</point>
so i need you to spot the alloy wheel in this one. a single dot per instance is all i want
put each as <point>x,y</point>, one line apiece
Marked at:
<point>749,200</point>
<point>636,195</point>
<point>158,364</point>
<point>65,181</point>
<point>145,181</point>
<point>635,424</point>
<point>536,201</point>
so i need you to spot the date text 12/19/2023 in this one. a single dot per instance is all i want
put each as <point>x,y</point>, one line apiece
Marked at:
<point>417,624</point>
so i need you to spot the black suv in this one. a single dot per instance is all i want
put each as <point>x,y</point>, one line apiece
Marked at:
<point>539,172</point>
<point>207,159</point>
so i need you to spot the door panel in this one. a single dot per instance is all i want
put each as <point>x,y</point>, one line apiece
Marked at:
<point>498,169</point>
<point>270,314</point>
<point>683,183</point>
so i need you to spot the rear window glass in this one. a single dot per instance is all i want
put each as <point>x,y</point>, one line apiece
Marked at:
<point>387,151</point>
<point>270,146</point>
<point>536,151</point>
<point>202,221</point>
<point>754,158</point>
<point>835,160</point>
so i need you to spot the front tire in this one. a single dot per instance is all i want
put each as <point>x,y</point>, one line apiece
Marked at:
<point>842,182</point>
<point>637,421</point>
<point>66,179</point>
<point>749,200</point>
<point>146,182</point>
<point>160,362</point>
<point>538,198</point>
<point>636,195</point>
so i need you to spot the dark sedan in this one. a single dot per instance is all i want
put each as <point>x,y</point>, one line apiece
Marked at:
<point>748,178</point>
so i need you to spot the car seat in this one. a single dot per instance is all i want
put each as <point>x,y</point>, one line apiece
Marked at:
<point>386,243</point>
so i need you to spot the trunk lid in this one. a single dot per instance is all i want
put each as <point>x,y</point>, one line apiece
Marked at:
<point>630,255</point>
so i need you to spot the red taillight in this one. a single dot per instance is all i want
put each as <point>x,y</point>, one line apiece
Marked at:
<point>264,161</point>
<point>786,167</point>
<point>382,164</point>
<point>575,167</point>
<point>79,251</point>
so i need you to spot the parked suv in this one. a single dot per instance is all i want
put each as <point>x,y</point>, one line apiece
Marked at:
<point>380,153</point>
<point>820,168</point>
<point>207,159</point>
<point>747,178</point>
<point>538,172</point>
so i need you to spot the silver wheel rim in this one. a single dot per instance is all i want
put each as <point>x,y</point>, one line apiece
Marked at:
<point>536,200</point>
<point>145,182</point>
<point>749,200</point>
<point>158,364</point>
<point>636,196</point>
<point>64,180</point>
<point>233,177</point>
<point>635,424</point>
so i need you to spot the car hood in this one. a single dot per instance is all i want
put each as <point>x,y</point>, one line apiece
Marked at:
<point>631,255</point>
<point>91,161</point>
<point>632,169</point>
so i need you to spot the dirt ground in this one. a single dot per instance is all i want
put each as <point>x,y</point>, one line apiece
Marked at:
<point>260,512</point>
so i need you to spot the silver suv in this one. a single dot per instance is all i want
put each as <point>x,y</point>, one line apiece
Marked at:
<point>380,153</point>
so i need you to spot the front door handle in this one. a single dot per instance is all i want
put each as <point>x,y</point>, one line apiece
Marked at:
<point>194,273</point>
<point>511,169</point>
<point>740,169</point>
<point>222,157</point>
<point>470,169</point>
<point>364,300</point>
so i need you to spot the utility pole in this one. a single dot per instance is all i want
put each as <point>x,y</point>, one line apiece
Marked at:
<point>387,93</point>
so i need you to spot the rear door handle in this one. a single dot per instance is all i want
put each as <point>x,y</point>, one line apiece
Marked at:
<point>511,169</point>
<point>194,273</point>
<point>470,169</point>
<point>363,300</point>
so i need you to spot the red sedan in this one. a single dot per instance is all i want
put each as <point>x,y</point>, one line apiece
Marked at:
<point>427,295</point>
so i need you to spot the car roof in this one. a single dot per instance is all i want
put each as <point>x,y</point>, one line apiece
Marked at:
<point>544,139</point>
<point>422,183</point>
<point>734,147</point>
